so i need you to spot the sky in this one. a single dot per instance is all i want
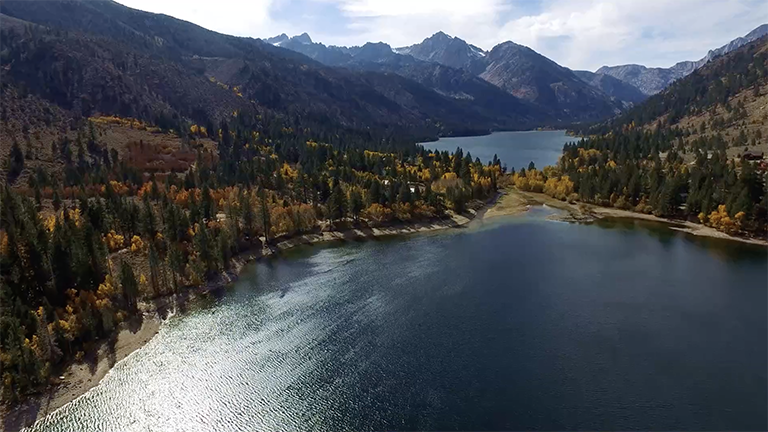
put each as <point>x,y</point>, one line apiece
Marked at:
<point>579,34</point>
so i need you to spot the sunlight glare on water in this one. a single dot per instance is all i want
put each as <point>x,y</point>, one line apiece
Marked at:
<point>528,325</point>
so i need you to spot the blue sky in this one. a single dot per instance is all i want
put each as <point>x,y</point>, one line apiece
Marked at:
<point>580,34</point>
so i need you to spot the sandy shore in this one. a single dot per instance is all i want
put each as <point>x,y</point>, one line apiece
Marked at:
<point>514,202</point>
<point>81,377</point>
<point>454,221</point>
<point>677,225</point>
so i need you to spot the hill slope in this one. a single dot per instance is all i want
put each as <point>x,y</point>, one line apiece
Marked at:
<point>716,87</point>
<point>117,60</point>
<point>530,76</point>
<point>683,152</point>
<point>613,87</point>
<point>506,110</point>
<point>653,80</point>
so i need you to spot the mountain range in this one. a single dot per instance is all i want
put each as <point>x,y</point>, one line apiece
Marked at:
<point>515,69</point>
<point>100,57</point>
<point>454,68</point>
<point>512,67</point>
<point>652,80</point>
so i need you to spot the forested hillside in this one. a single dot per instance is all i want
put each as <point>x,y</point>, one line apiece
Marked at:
<point>692,151</point>
<point>99,57</point>
<point>705,90</point>
<point>139,159</point>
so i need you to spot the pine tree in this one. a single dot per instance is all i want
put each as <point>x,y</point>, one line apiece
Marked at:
<point>265,216</point>
<point>154,267</point>
<point>355,203</point>
<point>175,260</point>
<point>374,193</point>
<point>15,162</point>
<point>130,286</point>
<point>207,203</point>
<point>404,196</point>
<point>248,215</point>
<point>336,203</point>
<point>148,223</point>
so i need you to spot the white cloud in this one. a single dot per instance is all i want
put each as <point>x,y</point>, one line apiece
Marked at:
<point>234,17</point>
<point>591,33</point>
<point>405,22</point>
<point>580,34</point>
<point>451,8</point>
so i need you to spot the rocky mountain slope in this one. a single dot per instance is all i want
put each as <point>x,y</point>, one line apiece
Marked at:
<point>519,71</point>
<point>444,49</point>
<point>614,87</point>
<point>528,75</point>
<point>653,80</point>
<point>451,82</point>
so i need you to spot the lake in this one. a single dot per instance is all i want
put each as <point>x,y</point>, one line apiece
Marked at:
<point>517,324</point>
<point>516,149</point>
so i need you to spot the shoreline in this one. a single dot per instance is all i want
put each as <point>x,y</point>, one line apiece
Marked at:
<point>515,202</point>
<point>677,225</point>
<point>81,377</point>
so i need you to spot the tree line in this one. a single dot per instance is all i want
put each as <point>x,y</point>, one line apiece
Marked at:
<point>657,172</point>
<point>80,247</point>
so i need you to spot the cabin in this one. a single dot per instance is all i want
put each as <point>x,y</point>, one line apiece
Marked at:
<point>414,186</point>
<point>752,155</point>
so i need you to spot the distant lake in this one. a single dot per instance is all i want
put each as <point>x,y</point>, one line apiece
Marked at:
<point>515,324</point>
<point>516,149</point>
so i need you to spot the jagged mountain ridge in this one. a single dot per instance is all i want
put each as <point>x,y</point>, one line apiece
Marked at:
<point>523,73</point>
<point>444,49</point>
<point>529,75</point>
<point>652,80</point>
<point>451,82</point>
<point>520,72</point>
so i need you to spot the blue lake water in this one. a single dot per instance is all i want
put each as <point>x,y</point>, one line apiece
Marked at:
<point>511,324</point>
<point>516,149</point>
<point>520,324</point>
